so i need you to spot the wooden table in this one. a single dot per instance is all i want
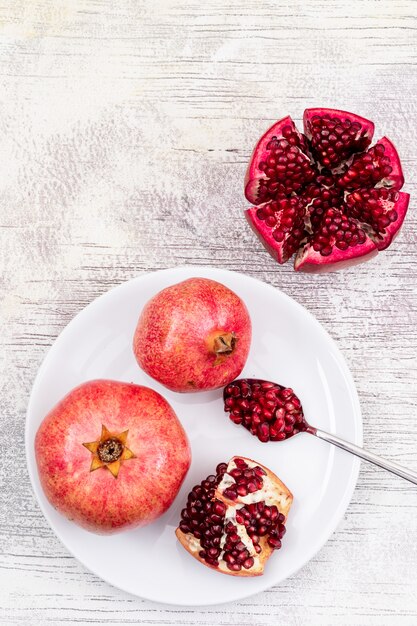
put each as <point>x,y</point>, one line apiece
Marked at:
<point>126,127</point>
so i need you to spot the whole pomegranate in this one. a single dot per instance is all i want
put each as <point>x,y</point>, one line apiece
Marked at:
<point>235,519</point>
<point>111,455</point>
<point>193,336</point>
<point>325,195</point>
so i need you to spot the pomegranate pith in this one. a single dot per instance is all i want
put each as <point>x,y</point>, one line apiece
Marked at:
<point>294,179</point>
<point>235,518</point>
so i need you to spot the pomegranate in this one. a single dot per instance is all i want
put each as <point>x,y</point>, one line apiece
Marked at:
<point>325,195</point>
<point>269,411</point>
<point>235,519</point>
<point>193,336</point>
<point>111,455</point>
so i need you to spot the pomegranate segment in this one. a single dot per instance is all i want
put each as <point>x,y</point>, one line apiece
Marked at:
<point>269,411</point>
<point>335,135</point>
<point>235,536</point>
<point>339,241</point>
<point>280,163</point>
<point>383,209</point>
<point>281,223</point>
<point>294,179</point>
<point>379,165</point>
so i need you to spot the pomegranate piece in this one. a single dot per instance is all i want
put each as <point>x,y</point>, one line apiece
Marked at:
<point>338,238</point>
<point>380,164</point>
<point>280,163</point>
<point>294,179</point>
<point>236,536</point>
<point>98,464</point>
<point>282,224</point>
<point>335,135</point>
<point>383,209</point>
<point>269,411</point>
<point>193,336</point>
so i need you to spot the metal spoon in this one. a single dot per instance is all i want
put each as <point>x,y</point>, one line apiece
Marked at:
<point>274,413</point>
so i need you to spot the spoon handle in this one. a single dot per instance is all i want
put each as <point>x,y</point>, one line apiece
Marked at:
<point>365,455</point>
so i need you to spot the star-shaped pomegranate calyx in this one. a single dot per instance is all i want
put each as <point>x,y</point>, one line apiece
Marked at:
<point>109,451</point>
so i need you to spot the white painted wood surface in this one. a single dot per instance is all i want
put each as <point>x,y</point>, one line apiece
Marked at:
<point>126,126</point>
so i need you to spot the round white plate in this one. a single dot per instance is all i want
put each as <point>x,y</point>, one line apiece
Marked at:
<point>290,347</point>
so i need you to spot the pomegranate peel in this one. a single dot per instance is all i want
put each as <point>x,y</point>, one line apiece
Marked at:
<point>294,178</point>
<point>235,536</point>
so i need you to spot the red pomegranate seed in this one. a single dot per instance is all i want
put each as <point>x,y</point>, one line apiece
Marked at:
<point>219,508</point>
<point>274,542</point>
<point>242,490</point>
<point>230,493</point>
<point>235,567</point>
<point>284,409</point>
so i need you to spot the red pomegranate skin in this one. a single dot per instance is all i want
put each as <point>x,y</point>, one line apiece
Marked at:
<point>145,486</point>
<point>173,342</point>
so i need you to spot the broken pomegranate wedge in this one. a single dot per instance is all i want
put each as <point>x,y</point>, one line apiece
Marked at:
<point>327,195</point>
<point>235,519</point>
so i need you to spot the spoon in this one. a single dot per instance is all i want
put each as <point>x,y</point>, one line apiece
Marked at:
<point>272,412</point>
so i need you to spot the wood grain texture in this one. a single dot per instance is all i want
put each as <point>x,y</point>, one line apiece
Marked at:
<point>125,131</point>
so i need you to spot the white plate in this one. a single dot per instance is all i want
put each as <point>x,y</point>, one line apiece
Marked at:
<point>290,347</point>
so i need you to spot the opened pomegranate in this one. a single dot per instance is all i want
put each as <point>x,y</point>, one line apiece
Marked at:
<point>193,336</point>
<point>325,195</point>
<point>111,455</point>
<point>235,519</point>
<point>269,411</point>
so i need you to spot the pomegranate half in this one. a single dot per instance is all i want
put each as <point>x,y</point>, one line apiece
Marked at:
<point>111,455</point>
<point>325,195</point>
<point>193,336</point>
<point>235,519</point>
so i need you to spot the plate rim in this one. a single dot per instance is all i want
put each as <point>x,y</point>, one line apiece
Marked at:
<point>354,473</point>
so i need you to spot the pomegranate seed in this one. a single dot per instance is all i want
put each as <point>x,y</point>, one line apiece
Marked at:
<point>242,490</point>
<point>219,508</point>
<point>235,567</point>
<point>286,410</point>
<point>252,487</point>
<point>230,493</point>
<point>274,542</point>
<point>248,563</point>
